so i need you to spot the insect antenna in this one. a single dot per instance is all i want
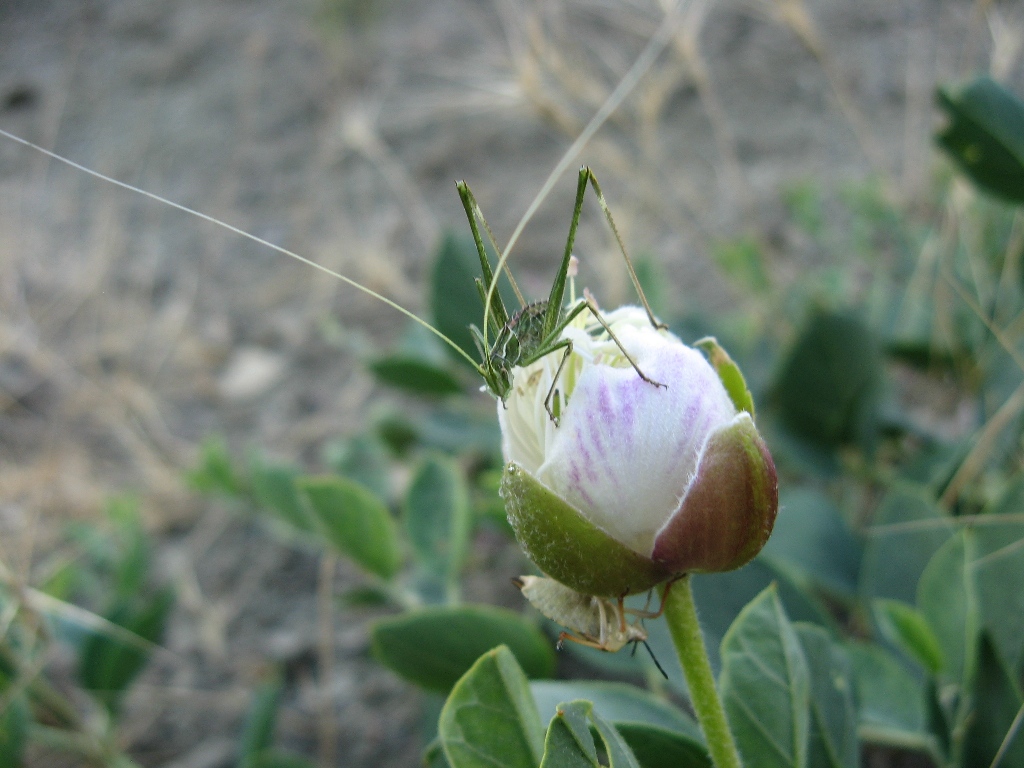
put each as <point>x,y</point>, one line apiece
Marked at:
<point>653,657</point>
<point>243,233</point>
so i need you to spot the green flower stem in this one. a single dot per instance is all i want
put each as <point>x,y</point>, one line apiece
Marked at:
<point>681,615</point>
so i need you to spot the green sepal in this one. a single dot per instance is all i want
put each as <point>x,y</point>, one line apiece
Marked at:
<point>728,373</point>
<point>568,547</point>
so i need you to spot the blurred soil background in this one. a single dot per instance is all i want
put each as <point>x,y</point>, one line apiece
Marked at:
<point>130,331</point>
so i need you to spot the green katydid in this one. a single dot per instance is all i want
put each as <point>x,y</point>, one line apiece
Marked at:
<point>535,330</point>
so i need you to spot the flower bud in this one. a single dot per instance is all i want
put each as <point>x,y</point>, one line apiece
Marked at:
<point>635,483</point>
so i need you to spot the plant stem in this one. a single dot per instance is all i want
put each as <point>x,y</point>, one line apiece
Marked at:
<point>326,717</point>
<point>681,615</point>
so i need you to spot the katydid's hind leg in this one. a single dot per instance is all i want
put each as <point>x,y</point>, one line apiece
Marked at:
<point>622,614</point>
<point>625,254</point>
<point>647,614</point>
<point>603,623</point>
<point>553,391</point>
<point>600,645</point>
<point>597,314</point>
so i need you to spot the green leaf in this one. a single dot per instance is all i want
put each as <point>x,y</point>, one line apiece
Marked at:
<point>907,530</point>
<point>215,472</point>
<point>437,516</point>
<point>433,756</point>
<point>908,630</point>
<point>398,431</point>
<point>15,720</point>
<point>354,522</point>
<point>415,375</point>
<point>997,702</point>
<point>133,551</point>
<point>829,388</point>
<point>999,572</point>
<point>367,596</point>
<point>890,700</point>
<point>721,596</point>
<point>618,703</point>
<point>656,747</point>
<point>743,261</point>
<point>362,458</point>
<point>108,664</point>
<point>985,135</point>
<point>489,719</point>
<point>273,487</point>
<point>434,647</point>
<point>658,733</point>
<point>833,725</point>
<point>258,732</point>
<point>812,542</point>
<point>765,685</point>
<point>462,430</point>
<point>947,597</point>
<point>570,741</point>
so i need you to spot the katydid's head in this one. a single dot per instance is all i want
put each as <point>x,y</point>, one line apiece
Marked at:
<point>497,379</point>
<point>635,482</point>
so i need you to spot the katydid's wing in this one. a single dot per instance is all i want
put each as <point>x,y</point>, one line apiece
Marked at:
<point>567,607</point>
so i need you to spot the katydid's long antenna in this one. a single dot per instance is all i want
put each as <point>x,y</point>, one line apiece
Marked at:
<point>243,233</point>
<point>653,658</point>
<point>643,62</point>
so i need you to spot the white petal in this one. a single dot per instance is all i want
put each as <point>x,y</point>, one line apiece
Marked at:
<point>625,450</point>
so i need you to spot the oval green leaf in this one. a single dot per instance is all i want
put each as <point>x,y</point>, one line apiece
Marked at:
<point>490,720</point>
<point>813,543</point>
<point>273,486</point>
<point>659,734</point>
<point>434,647</point>
<point>258,732</point>
<point>985,135</point>
<point>437,516</point>
<point>570,741</point>
<point>353,521</point>
<point>15,721</point>
<point>108,663</point>
<point>618,703</point>
<point>415,375</point>
<point>947,597</point>
<point>908,630</point>
<point>891,705</point>
<point>999,571</point>
<point>907,530</point>
<point>829,388</point>
<point>656,747</point>
<point>833,734</point>
<point>765,685</point>
<point>997,705</point>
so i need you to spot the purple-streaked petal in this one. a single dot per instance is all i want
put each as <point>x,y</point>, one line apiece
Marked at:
<point>625,450</point>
